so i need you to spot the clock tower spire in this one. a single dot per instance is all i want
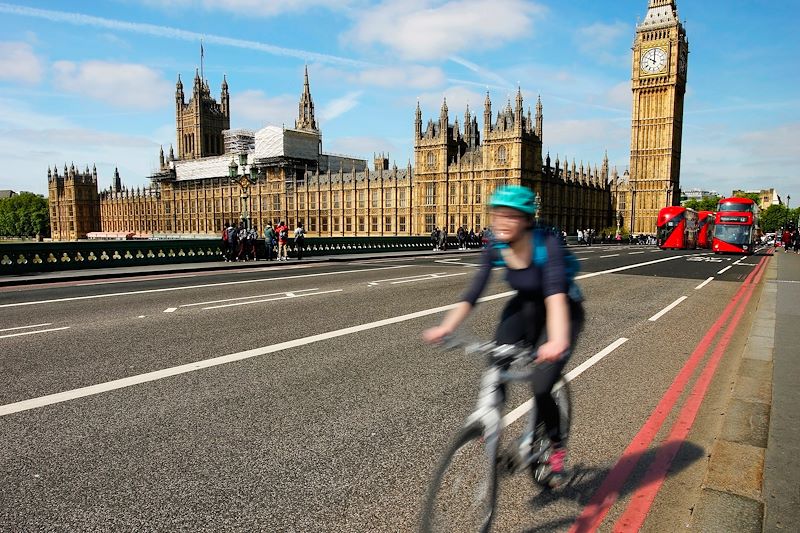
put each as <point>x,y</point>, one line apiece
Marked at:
<point>660,52</point>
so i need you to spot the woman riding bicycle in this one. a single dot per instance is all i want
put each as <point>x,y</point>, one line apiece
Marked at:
<point>541,309</point>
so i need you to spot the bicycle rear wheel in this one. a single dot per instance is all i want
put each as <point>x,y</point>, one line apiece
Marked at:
<point>463,491</point>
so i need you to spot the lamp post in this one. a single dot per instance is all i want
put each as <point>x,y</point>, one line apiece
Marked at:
<point>788,210</point>
<point>244,181</point>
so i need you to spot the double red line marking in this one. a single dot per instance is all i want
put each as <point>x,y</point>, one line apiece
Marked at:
<point>634,516</point>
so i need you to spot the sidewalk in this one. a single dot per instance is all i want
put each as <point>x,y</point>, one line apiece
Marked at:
<point>151,270</point>
<point>753,479</point>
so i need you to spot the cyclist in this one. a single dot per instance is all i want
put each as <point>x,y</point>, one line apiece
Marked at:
<point>540,311</point>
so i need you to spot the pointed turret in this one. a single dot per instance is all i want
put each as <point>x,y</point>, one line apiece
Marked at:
<point>117,181</point>
<point>225,97</point>
<point>171,153</point>
<point>444,119</point>
<point>539,117</point>
<point>518,109</point>
<point>487,115</point>
<point>305,119</point>
<point>161,158</point>
<point>418,122</point>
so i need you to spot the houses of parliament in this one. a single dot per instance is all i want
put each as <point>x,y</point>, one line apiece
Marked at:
<point>215,175</point>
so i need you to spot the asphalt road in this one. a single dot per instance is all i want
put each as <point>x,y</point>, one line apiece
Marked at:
<point>300,397</point>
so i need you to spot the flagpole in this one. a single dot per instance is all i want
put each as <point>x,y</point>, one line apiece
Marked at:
<point>202,75</point>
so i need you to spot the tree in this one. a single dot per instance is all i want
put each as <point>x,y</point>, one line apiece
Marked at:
<point>24,215</point>
<point>752,195</point>
<point>709,203</point>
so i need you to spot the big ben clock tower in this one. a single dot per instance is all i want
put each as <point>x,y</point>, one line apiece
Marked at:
<point>660,53</point>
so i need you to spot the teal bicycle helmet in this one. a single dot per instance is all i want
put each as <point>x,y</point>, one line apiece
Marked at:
<point>516,197</point>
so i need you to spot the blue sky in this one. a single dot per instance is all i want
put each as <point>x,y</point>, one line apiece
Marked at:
<point>93,82</point>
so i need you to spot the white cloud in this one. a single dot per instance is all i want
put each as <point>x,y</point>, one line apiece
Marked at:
<point>600,41</point>
<point>254,109</point>
<point>19,63</point>
<point>363,147</point>
<point>458,97</point>
<point>403,77</point>
<point>432,29</point>
<point>34,140</point>
<point>124,85</point>
<point>248,8</point>
<point>340,106</point>
<point>167,32</point>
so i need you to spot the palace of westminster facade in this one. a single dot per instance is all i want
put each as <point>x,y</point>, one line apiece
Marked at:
<point>221,175</point>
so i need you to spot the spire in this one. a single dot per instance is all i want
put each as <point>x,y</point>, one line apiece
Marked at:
<point>487,114</point>
<point>161,157</point>
<point>539,117</point>
<point>418,122</point>
<point>306,119</point>
<point>171,153</point>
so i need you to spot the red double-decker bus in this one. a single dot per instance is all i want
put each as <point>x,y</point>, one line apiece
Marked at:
<point>736,226</point>
<point>705,228</point>
<point>676,228</point>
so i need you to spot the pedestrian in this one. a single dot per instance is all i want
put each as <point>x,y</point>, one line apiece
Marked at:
<point>435,238</point>
<point>299,240</point>
<point>283,241</point>
<point>796,240</point>
<point>269,241</point>
<point>252,236</point>
<point>462,238</point>
<point>786,239</point>
<point>241,254</point>
<point>443,239</point>
<point>225,242</point>
<point>230,251</point>
<point>472,237</point>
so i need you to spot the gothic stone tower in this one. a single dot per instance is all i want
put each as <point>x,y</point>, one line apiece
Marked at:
<point>660,53</point>
<point>200,123</point>
<point>305,115</point>
<point>74,203</point>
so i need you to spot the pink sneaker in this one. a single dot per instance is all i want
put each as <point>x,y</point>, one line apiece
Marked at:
<point>557,471</point>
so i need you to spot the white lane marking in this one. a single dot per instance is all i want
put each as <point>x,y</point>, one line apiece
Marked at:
<point>244,298</point>
<point>448,261</point>
<point>432,276</point>
<point>288,296</point>
<point>635,253</point>
<point>514,415</point>
<point>612,255</point>
<point>706,282</point>
<point>33,332</point>
<point>92,390</point>
<point>667,309</point>
<point>725,269</point>
<point>412,279</point>
<point>142,316</point>
<point>656,251</point>
<point>784,281</point>
<point>377,261</point>
<point>620,269</point>
<point>746,264</point>
<point>170,309</point>
<point>28,327</point>
<point>201,286</point>
<point>583,259</point>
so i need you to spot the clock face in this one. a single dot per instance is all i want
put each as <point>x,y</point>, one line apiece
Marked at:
<point>653,60</point>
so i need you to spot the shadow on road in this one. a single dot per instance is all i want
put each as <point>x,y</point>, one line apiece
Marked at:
<point>586,480</point>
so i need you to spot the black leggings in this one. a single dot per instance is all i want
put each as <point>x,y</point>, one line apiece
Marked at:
<point>524,320</point>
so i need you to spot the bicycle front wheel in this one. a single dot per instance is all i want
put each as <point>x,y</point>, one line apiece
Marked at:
<point>463,491</point>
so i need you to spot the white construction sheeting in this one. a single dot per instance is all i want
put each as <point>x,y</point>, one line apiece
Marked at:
<point>239,141</point>
<point>205,168</point>
<point>273,141</point>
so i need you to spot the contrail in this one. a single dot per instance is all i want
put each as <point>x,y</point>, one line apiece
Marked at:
<point>79,19</point>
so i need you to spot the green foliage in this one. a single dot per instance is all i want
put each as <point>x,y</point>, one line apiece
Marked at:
<point>776,217</point>
<point>752,195</point>
<point>24,215</point>
<point>706,204</point>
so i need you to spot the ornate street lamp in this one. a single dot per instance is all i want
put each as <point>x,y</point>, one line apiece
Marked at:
<point>244,181</point>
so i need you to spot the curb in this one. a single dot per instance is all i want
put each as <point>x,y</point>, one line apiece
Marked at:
<point>214,266</point>
<point>731,497</point>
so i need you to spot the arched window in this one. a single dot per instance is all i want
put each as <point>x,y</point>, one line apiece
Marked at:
<point>502,155</point>
<point>431,160</point>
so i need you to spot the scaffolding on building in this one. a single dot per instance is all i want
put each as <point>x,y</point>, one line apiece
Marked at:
<point>239,141</point>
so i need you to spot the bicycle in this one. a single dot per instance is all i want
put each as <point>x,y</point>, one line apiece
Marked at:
<point>463,491</point>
